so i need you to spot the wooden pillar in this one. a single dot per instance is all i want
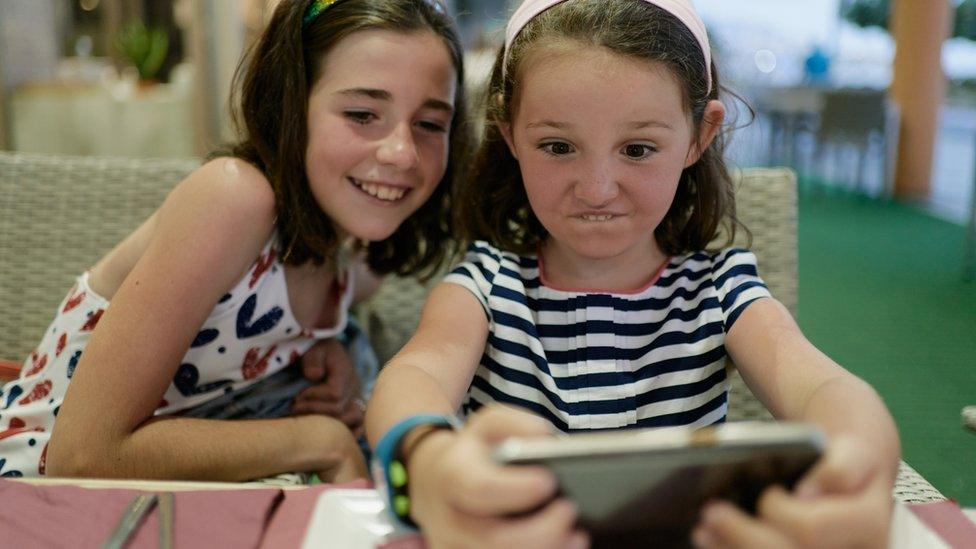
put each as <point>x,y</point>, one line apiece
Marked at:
<point>113,20</point>
<point>200,48</point>
<point>3,105</point>
<point>215,41</point>
<point>919,28</point>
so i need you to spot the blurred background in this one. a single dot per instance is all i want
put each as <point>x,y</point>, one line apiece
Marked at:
<point>872,102</point>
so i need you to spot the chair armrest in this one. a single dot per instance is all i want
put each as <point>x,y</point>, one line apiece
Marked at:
<point>9,370</point>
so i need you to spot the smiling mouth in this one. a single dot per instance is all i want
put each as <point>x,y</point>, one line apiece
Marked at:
<point>386,193</point>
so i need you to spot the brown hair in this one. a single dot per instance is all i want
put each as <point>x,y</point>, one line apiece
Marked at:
<point>493,205</point>
<point>272,86</point>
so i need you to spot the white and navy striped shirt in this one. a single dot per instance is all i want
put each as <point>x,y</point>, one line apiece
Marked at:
<point>584,361</point>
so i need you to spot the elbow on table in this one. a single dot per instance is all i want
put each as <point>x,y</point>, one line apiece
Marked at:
<point>68,458</point>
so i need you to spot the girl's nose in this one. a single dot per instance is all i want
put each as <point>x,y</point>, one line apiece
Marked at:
<point>398,148</point>
<point>597,186</point>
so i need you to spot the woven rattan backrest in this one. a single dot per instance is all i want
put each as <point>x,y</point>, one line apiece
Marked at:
<point>766,204</point>
<point>766,201</point>
<point>58,215</point>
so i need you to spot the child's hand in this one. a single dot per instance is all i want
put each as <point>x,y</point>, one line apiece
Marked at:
<point>337,391</point>
<point>462,498</point>
<point>341,459</point>
<point>845,501</point>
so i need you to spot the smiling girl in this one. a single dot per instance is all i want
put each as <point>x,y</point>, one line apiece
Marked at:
<point>348,118</point>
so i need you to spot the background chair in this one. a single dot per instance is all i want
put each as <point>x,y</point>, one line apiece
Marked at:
<point>862,119</point>
<point>794,115</point>
<point>58,215</point>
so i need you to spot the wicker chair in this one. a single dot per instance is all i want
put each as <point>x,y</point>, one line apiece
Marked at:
<point>59,214</point>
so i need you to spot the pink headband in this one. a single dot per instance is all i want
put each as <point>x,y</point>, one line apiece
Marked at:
<point>679,8</point>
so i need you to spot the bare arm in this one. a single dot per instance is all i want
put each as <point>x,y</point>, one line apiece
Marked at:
<point>798,382</point>
<point>433,370</point>
<point>207,234</point>
<point>845,499</point>
<point>457,493</point>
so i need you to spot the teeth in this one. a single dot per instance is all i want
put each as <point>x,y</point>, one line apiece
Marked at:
<point>383,192</point>
<point>597,217</point>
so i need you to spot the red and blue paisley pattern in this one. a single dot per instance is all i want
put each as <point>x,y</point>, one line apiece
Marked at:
<point>250,335</point>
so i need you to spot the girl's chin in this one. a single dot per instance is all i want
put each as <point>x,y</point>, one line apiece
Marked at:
<point>368,226</point>
<point>370,234</point>
<point>599,249</point>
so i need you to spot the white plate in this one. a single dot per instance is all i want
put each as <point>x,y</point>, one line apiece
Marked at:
<point>351,519</point>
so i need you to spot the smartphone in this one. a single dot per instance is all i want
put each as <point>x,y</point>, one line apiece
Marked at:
<point>646,487</point>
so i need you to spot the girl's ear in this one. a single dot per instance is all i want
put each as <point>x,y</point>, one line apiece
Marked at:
<point>711,123</point>
<point>506,130</point>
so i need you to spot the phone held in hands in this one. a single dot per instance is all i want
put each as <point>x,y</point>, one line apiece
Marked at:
<point>646,487</point>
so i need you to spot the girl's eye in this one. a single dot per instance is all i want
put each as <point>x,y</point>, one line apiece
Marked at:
<point>432,126</point>
<point>556,148</point>
<point>360,117</point>
<point>636,151</point>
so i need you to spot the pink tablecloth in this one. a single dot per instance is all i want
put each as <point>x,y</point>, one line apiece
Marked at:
<point>70,516</point>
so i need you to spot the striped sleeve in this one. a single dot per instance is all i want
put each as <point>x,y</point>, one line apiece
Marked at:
<point>737,282</point>
<point>477,272</point>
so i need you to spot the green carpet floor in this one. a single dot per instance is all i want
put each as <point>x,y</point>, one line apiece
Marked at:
<point>882,293</point>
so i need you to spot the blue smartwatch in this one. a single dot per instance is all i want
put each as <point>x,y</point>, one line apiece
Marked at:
<point>389,470</point>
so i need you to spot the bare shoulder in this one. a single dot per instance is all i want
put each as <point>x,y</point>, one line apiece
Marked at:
<point>762,316</point>
<point>449,298</point>
<point>221,216</point>
<point>452,313</point>
<point>228,186</point>
<point>449,341</point>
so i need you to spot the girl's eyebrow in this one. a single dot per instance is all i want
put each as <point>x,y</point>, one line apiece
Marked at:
<point>637,125</point>
<point>383,95</point>
<point>640,125</point>
<point>548,124</point>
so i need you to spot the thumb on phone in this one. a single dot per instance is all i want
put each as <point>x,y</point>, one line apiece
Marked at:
<point>844,468</point>
<point>497,422</point>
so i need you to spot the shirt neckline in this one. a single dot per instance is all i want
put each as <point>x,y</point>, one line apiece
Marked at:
<point>650,284</point>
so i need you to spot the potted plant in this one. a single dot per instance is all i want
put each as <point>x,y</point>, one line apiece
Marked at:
<point>145,48</point>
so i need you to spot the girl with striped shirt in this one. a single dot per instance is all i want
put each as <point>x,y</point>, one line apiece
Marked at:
<point>590,297</point>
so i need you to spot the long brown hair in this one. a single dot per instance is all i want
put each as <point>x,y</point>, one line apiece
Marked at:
<point>272,86</point>
<point>493,204</point>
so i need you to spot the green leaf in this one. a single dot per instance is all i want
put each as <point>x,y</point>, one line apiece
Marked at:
<point>144,47</point>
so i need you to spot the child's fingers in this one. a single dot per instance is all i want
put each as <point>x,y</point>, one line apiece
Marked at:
<point>494,491</point>
<point>316,406</point>
<point>353,418</point>
<point>828,521</point>
<point>313,371</point>
<point>497,422</point>
<point>312,364</point>
<point>846,468</point>
<point>724,525</point>
<point>552,526</point>
<point>339,370</point>
<point>320,391</point>
<point>484,488</point>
